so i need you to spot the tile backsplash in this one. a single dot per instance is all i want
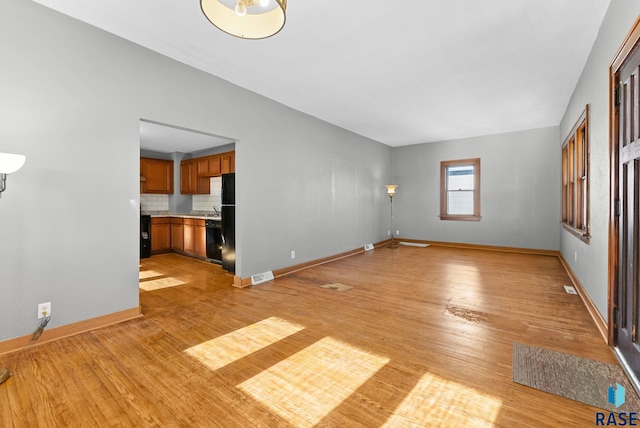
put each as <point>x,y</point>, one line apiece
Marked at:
<point>214,199</point>
<point>151,202</point>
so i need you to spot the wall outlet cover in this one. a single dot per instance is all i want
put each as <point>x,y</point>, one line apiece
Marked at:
<point>44,310</point>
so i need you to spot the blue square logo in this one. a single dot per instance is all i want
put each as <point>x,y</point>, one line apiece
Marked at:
<point>616,395</point>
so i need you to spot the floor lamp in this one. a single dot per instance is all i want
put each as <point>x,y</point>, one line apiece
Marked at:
<point>391,190</point>
<point>9,163</point>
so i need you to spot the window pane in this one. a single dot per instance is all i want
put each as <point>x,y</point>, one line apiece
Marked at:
<point>460,177</point>
<point>460,189</point>
<point>460,202</point>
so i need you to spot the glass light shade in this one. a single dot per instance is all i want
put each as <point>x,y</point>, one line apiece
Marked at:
<point>391,189</point>
<point>255,24</point>
<point>10,163</point>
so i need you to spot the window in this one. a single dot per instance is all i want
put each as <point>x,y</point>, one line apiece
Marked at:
<point>575,179</point>
<point>460,190</point>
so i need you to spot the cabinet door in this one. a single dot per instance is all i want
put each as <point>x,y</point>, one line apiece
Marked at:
<point>184,178</point>
<point>177,237</point>
<point>160,237</point>
<point>203,166</point>
<point>214,165</point>
<point>227,161</point>
<point>189,177</point>
<point>201,239</point>
<point>189,236</point>
<point>157,175</point>
<point>193,176</point>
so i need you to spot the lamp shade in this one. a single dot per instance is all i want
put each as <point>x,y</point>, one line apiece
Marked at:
<point>10,163</point>
<point>246,19</point>
<point>391,189</point>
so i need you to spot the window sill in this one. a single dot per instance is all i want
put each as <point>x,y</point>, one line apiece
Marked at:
<point>460,217</point>
<point>578,233</point>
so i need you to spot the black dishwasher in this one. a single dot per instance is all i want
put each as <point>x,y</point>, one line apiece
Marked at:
<point>214,240</point>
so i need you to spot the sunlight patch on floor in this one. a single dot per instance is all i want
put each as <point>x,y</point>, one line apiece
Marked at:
<point>465,275</point>
<point>148,274</point>
<point>307,386</point>
<point>157,284</point>
<point>223,350</point>
<point>435,401</point>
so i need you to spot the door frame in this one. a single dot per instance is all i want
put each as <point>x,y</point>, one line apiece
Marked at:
<point>630,42</point>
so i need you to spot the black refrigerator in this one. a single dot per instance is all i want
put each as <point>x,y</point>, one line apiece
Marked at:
<point>229,222</point>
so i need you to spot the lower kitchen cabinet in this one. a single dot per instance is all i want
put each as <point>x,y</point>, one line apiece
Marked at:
<point>189,236</point>
<point>160,235</point>
<point>177,234</point>
<point>201,239</point>
<point>183,235</point>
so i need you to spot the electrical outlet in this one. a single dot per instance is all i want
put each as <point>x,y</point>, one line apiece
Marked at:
<point>575,256</point>
<point>293,254</point>
<point>388,233</point>
<point>397,233</point>
<point>44,310</point>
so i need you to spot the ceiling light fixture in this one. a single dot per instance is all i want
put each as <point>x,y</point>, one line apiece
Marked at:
<point>9,163</point>
<point>247,19</point>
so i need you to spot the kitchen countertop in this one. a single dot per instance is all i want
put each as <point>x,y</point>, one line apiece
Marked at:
<point>203,216</point>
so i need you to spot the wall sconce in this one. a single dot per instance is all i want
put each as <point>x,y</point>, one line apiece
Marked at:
<point>391,190</point>
<point>9,163</point>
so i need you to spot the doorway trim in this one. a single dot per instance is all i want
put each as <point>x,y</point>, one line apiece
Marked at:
<point>630,42</point>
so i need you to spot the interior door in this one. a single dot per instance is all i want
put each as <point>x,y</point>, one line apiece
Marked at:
<point>628,295</point>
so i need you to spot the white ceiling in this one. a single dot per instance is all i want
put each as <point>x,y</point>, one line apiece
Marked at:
<point>164,138</point>
<point>397,72</point>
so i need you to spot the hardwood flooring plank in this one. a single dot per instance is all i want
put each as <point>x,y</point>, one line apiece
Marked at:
<point>436,324</point>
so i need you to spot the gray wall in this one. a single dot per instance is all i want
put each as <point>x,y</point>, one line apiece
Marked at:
<point>591,266</point>
<point>72,98</point>
<point>519,190</point>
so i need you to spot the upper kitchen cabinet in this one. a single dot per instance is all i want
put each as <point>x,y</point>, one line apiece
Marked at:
<point>209,166</point>
<point>228,162</point>
<point>195,173</point>
<point>194,178</point>
<point>188,176</point>
<point>156,176</point>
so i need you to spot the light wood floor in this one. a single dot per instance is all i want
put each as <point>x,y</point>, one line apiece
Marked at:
<point>424,338</point>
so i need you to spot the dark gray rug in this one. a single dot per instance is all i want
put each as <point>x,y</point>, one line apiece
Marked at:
<point>577,378</point>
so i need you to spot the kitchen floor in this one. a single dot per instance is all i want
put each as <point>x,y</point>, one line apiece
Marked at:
<point>169,281</point>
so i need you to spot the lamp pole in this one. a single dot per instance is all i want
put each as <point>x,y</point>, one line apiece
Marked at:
<point>391,190</point>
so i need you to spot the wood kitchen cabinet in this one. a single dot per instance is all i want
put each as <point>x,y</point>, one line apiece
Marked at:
<point>189,236</point>
<point>209,166</point>
<point>228,162</point>
<point>200,238</point>
<point>177,234</point>
<point>194,178</point>
<point>195,237</point>
<point>182,235</point>
<point>188,177</point>
<point>156,176</point>
<point>195,173</point>
<point>160,235</point>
